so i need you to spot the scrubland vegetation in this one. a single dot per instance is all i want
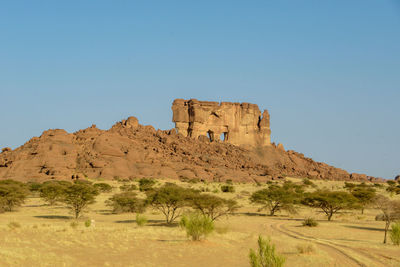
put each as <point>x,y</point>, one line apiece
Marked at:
<point>196,223</point>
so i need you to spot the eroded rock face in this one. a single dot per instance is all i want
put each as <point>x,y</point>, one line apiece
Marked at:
<point>234,123</point>
<point>131,150</point>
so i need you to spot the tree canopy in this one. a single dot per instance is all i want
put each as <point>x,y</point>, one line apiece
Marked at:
<point>212,206</point>
<point>276,198</point>
<point>126,202</point>
<point>12,194</point>
<point>78,196</point>
<point>170,199</point>
<point>330,202</point>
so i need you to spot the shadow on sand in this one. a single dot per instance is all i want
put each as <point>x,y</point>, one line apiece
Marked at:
<point>152,223</point>
<point>365,228</point>
<point>53,217</point>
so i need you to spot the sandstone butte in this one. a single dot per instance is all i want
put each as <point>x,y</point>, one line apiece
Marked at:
<point>193,149</point>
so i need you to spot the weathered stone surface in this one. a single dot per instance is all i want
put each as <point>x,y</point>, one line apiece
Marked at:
<point>130,150</point>
<point>234,123</point>
<point>6,149</point>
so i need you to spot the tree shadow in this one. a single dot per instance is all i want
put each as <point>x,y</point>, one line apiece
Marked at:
<point>172,240</point>
<point>365,228</point>
<point>152,223</point>
<point>35,206</point>
<point>252,214</point>
<point>59,217</point>
<point>105,212</point>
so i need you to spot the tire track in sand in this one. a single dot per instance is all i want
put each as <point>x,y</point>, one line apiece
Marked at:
<point>374,261</point>
<point>338,253</point>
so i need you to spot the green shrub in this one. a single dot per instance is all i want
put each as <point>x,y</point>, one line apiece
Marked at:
<point>34,186</point>
<point>146,184</point>
<point>197,226</point>
<point>12,194</point>
<point>227,188</point>
<point>88,223</point>
<point>126,202</point>
<point>395,233</point>
<point>265,256</point>
<point>308,182</point>
<point>141,220</point>
<point>310,222</point>
<point>103,187</point>
<point>128,187</point>
<point>305,248</point>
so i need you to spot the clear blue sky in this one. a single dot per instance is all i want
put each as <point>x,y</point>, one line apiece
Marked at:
<point>328,71</point>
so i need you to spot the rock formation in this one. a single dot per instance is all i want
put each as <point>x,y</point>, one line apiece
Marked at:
<point>130,150</point>
<point>234,123</point>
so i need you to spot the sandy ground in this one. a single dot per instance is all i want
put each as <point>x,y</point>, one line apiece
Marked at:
<point>45,237</point>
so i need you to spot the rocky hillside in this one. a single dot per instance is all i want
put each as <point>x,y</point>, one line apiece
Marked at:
<point>130,150</point>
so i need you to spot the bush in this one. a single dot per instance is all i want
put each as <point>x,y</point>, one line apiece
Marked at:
<point>128,187</point>
<point>308,182</point>
<point>305,248</point>
<point>197,225</point>
<point>265,256</point>
<point>310,222</point>
<point>88,223</point>
<point>141,220</point>
<point>12,194</point>
<point>395,233</point>
<point>146,184</point>
<point>126,202</point>
<point>227,188</point>
<point>34,186</point>
<point>103,187</point>
<point>52,192</point>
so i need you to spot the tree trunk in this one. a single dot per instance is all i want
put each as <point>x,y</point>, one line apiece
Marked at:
<point>330,215</point>
<point>386,229</point>
<point>271,213</point>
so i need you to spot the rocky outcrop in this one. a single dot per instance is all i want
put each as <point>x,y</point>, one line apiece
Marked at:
<point>233,123</point>
<point>131,150</point>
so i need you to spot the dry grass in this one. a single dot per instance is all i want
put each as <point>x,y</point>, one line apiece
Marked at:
<point>45,236</point>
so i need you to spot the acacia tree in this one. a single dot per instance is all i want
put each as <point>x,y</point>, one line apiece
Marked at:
<point>276,198</point>
<point>126,202</point>
<point>53,191</point>
<point>330,202</point>
<point>170,199</point>
<point>213,207</point>
<point>390,211</point>
<point>12,194</point>
<point>364,195</point>
<point>78,196</point>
